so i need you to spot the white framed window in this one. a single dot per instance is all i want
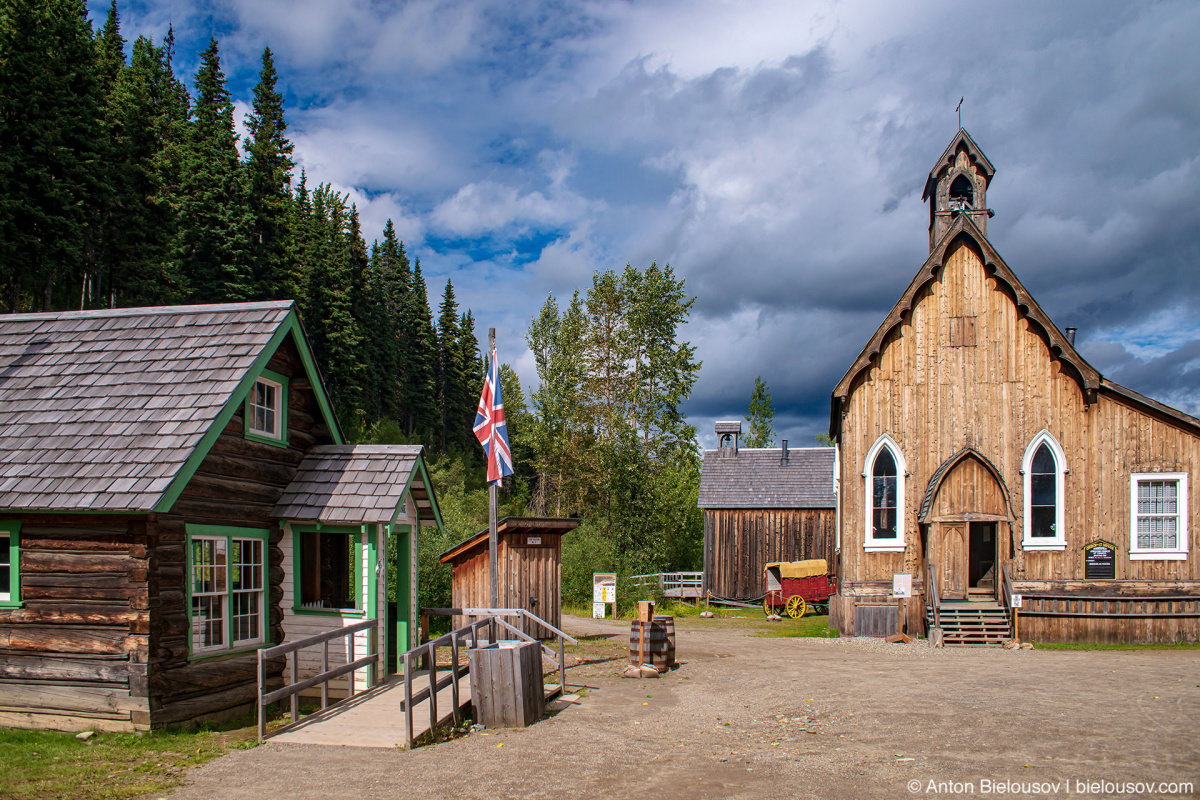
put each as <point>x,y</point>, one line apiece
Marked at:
<point>883,484</point>
<point>264,414</point>
<point>10,564</point>
<point>1043,470</point>
<point>227,588</point>
<point>1158,516</point>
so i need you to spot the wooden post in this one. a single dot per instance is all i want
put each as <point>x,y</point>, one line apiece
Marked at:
<point>454,677</point>
<point>351,673</point>
<point>324,668</point>
<point>641,643</point>
<point>494,572</point>
<point>562,667</point>
<point>423,637</point>
<point>408,709</point>
<point>262,722</point>
<point>433,715</point>
<point>295,699</point>
<point>1016,626</point>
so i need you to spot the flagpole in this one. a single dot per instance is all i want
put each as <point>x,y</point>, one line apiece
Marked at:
<point>494,573</point>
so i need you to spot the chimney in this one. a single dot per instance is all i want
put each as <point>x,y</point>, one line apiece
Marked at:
<point>727,438</point>
<point>783,460</point>
<point>1070,336</point>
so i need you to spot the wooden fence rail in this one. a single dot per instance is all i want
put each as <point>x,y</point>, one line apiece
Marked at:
<point>326,674</point>
<point>1073,605</point>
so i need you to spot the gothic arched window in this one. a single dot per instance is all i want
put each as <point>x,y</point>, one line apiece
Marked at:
<point>883,474</point>
<point>1044,468</point>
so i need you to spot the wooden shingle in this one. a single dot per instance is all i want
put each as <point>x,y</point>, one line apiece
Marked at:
<point>755,479</point>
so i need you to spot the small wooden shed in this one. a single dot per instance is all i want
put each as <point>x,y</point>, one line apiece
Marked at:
<point>529,556</point>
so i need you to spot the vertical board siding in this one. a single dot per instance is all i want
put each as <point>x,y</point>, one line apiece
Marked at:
<point>739,543</point>
<point>525,573</point>
<point>934,400</point>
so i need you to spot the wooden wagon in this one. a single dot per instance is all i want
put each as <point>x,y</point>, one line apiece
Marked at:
<point>796,586</point>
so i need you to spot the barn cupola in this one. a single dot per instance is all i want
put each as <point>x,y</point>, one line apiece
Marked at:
<point>727,438</point>
<point>957,185</point>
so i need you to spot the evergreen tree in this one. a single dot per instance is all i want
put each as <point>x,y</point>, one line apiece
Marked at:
<point>269,179</point>
<point>390,268</point>
<point>215,219</point>
<point>761,416</point>
<point>421,387</point>
<point>471,365</point>
<point>49,125</point>
<point>449,369</point>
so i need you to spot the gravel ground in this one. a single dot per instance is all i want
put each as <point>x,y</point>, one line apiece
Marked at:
<point>750,717</point>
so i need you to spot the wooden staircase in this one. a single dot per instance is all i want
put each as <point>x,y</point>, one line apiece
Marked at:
<point>972,624</point>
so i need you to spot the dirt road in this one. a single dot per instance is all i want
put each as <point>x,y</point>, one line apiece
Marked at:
<point>749,717</point>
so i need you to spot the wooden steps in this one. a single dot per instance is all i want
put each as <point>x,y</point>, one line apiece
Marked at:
<point>973,624</point>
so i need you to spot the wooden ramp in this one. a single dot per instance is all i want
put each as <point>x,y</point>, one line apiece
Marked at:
<point>373,718</point>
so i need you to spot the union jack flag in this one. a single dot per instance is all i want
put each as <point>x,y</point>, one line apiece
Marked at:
<point>490,428</point>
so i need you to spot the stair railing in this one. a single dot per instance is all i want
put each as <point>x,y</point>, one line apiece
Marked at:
<point>931,596</point>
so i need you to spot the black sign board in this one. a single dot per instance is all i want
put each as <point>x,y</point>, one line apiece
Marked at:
<point>1100,561</point>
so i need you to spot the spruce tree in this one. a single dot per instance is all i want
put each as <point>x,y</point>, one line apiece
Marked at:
<point>269,178</point>
<point>449,368</point>
<point>49,126</point>
<point>471,366</point>
<point>421,388</point>
<point>214,215</point>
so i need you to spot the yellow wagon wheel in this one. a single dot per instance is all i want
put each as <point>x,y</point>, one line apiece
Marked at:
<point>767,607</point>
<point>796,606</point>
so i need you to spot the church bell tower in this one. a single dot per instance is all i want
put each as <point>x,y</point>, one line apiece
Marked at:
<point>956,185</point>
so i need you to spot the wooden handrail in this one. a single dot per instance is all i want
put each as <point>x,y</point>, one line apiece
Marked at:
<point>933,596</point>
<point>295,686</point>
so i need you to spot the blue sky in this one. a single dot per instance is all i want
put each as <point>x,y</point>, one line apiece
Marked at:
<point>773,153</point>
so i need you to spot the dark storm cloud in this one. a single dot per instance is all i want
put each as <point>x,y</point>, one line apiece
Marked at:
<point>773,153</point>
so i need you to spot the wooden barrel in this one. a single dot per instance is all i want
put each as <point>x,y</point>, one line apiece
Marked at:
<point>668,621</point>
<point>659,649</point>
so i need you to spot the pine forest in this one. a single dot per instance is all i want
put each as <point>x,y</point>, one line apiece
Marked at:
<point>120,186</point>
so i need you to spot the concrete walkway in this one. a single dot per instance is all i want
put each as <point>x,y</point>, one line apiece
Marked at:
<point>375,718</point>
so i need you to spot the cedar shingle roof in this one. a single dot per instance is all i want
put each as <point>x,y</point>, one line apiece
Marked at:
<point>101,409</point>
<point>754,479</point>
<point>349,483</point>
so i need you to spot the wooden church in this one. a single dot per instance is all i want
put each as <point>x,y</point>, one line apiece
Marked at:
<point>981,455</point>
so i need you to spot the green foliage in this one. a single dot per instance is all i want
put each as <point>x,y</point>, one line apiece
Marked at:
<point>761,416</point>
<point>824,439</point>
<point>269,178</point>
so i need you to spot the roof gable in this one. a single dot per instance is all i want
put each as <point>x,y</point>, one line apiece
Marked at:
<point>963,231</point>
<point>358,484</point>
<point>113,410</point>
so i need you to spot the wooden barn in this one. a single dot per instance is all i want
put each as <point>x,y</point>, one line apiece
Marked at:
<point>980,454</point>
<point>144,553</point>
<point>762,505</point>
<point>529,563</point>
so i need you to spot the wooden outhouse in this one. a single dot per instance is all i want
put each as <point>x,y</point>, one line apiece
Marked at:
<point>529,564</point>
<point>980,454</point>
<point>762,505</point>
<point>143,548</point>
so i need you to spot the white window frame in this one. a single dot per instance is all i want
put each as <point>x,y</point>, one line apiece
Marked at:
<point>277,411</point>
<point>222,595</point>
<point>1180,551</point>
<point>1059,541</point>
<point>227,537</point>
<point>870,543</point>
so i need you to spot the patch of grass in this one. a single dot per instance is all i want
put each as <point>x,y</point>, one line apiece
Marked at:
<point>51,765</point>
<point>1099,646</point>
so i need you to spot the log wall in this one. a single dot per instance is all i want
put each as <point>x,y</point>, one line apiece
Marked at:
<point>934,399</point>
<point>238,484</point>
<point>739,543</point>
<point>75,655</point>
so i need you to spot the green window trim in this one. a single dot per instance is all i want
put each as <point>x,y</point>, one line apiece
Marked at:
<point>359,532</point>
<point>12,530</point>
<point>255,436</point>
<point>228,532</point>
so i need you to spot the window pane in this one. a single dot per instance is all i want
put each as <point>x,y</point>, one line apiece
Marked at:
<point>1041,490</point>
<point>5,577</point>
<point>1042,524</point>
<point>884,463</point>
<point>1043,461</point>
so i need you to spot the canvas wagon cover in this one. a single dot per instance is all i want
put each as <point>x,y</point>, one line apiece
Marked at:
<point>801,569</point>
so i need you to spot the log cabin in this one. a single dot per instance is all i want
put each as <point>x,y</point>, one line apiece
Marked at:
<point>982,456</point>
<point>145,553</point>
<point>762,505</point>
